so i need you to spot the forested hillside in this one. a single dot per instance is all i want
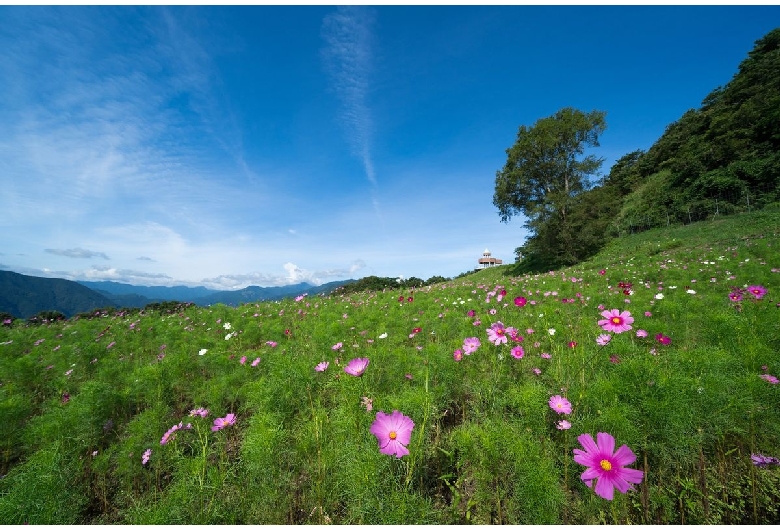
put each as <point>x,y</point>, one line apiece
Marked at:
<point>719,159</point>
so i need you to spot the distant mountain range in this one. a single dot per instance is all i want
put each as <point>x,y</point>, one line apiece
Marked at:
<point>25,296</point>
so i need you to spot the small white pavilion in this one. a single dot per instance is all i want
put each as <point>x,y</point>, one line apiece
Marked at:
<point>487,260</point>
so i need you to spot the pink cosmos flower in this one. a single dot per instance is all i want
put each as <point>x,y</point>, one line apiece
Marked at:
<point>735,296</point>
<point>367,402</point>
<point>757,290</point>
<point>337,346</point>
<point>321,367</point>
<point>356,366</point>
<point>514,335</point>
<point>243,359</point>
<point>616,321</point>
<point>560,404</point>
<point>770,378</point>
<point>641,333</point>
<point>517,352</point>
<point>457,355</point>
<point>221,423</point>
<point>603,339</point>
<point>497,333</point>
<point>537,371</point>
<point>255,362</point>
<point>146,456</point>
<point>563,425</point>
<point>199,412</point>
<point>393,433</point>
<point>605,467</point>
<point>470,345</point>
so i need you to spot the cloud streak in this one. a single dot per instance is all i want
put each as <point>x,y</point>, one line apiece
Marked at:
<point>348,59</point>
<point>79,253</point>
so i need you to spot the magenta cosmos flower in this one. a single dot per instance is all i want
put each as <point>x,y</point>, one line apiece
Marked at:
<point>616,321</point>
<point>356,366</point>
<point>470,345</point>
<point>517,352</point>
<point>520,301</point>
<point>497,333</point>
<point>221,423</point>
<point>605,466</point>
<point>560,404</point>
<point>393,432</point>
<point>757,290</point>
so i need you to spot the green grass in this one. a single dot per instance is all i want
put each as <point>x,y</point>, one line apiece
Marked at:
<point>78,411</point>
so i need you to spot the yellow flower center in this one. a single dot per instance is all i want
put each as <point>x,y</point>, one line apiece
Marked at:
<point>392,435</point>
<point>617,320</point>
<point>606,465</point>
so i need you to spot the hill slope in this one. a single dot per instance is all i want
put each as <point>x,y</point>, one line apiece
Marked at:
<point>25,296</point>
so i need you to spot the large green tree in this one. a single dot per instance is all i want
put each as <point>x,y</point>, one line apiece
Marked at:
<point>544,173</point>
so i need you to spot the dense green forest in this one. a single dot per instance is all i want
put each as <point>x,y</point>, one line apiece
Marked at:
<point>719,159</point>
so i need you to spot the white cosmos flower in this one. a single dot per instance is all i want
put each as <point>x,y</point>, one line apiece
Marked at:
<point>690,291</point>
<point>551,331</point>
<point>227,325</point>
<point>202,351</point>
<point>383,336</point>
<point>659,296</point>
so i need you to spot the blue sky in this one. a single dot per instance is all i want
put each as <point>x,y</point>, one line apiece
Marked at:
<point>259,145</point>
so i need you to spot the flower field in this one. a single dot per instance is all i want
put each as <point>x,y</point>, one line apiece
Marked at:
<point>640,387</point>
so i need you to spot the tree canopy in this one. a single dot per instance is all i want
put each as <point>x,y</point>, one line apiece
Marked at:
<point>545,171</point>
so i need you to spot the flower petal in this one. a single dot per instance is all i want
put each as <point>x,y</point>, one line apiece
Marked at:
<point>606,443</point>
<point>604,488</point>
<point>624,456</point>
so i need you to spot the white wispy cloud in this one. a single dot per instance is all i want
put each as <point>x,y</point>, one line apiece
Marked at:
<point>294,275</point>
<point>349,60</point>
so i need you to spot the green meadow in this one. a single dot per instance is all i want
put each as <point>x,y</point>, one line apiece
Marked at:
<point>689,389</point>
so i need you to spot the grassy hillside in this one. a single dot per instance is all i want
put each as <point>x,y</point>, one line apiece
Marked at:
<point>690,390</point>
